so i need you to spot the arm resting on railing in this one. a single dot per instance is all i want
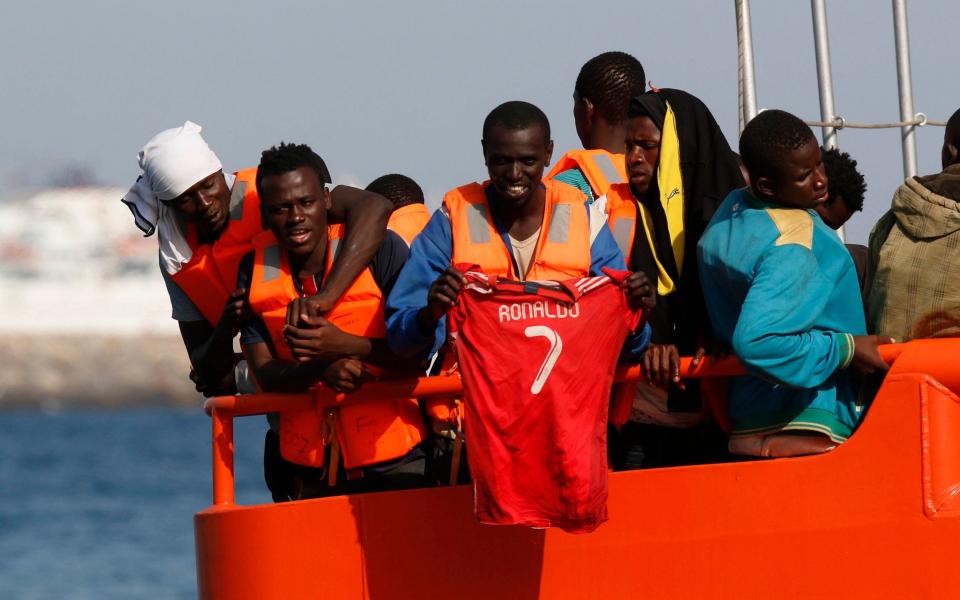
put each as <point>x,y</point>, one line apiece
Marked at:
<point>222,409</point>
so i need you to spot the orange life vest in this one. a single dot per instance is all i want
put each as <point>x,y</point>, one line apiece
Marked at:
<point>408,221</point>
<point>622,217</point>
<point>563,249</point>
<point>211,273</point>
<point>601,168</point>
<point>368,433</point>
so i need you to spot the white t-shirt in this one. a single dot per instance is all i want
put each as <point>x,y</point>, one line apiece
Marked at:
<point>523,251</point>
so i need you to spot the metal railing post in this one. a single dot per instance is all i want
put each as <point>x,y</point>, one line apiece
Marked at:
<point>821,40</point>
<point>747,87</point>
<point>905,84</point>
<point>223,492</point>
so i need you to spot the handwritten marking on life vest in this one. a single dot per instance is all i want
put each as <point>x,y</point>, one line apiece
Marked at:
<point>556,347</point>
<point>538,309</point>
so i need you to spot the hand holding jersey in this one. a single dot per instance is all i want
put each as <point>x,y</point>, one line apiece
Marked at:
<point>515,226</point>
<point>445,291</point>
<point>442,296</point>
<point>485,223</point>
<point>537,428</point>
<point>638,290</point>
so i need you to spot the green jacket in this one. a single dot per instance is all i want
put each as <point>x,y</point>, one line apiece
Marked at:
<point>913,274</point>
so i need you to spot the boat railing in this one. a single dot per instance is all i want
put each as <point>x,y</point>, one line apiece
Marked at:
<point>223,409</point>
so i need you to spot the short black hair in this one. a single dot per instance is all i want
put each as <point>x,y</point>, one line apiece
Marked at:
<point>397,188</point>
<point>609,81</point>
<point>953,127</point>
<point>768,138</point>
<point>843,179</point>
<point>514,115</point>
<point>954,120</point>
<point>284,158</point>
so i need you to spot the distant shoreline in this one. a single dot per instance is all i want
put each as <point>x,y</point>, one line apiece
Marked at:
<point>95,371</point>
<point>57,405</point>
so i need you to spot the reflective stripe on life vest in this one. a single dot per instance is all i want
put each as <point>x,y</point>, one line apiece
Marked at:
<point>600,168</point>
<point>622,218</point>
<point>368,433</point>
<point>408,221</point>
<point>211,273</point>
<point>563,253</point>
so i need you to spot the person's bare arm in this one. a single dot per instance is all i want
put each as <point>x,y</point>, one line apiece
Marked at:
<point>322,340</point>
<point>211,348</point>
<point>345,374</point>
<point>275,375</point>
<point>365,215</point>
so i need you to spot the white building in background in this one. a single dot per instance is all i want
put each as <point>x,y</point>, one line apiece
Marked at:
<point>72,262</point>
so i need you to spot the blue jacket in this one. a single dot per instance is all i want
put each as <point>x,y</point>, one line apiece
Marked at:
<point>782,290</point>
<point>431,254</point>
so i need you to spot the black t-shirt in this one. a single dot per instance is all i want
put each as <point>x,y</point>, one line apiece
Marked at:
<point>385,266</point>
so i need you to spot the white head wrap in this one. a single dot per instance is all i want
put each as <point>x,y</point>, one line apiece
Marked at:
<point>173,161</point>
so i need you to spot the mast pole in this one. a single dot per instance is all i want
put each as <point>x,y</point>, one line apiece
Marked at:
<point>747,83</point>
<point>824,75</point>
<point>821,39</point>
<point>905,84</point>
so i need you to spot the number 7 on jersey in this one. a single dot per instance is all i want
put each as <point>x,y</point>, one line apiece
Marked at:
<point>556,347</point>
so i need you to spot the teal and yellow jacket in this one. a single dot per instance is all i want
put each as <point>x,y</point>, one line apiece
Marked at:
<point>782,290</point>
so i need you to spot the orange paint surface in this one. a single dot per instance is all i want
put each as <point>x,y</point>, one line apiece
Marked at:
<point>877,517</point>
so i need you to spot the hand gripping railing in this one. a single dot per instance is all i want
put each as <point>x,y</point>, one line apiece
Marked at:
<point>222,409</point>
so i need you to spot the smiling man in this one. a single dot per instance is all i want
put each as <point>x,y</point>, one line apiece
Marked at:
<point>378,441</point>
<point>782,290</point>
<point>514,225</point>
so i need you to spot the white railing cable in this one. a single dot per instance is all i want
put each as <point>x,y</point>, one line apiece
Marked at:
<point>919,120</point>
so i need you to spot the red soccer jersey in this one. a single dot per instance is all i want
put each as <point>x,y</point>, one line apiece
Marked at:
<point>537,362</point>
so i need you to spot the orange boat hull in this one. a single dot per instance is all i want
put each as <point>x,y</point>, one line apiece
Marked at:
<point>875,518</point>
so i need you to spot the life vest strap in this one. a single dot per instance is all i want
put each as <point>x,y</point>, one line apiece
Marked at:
<point>334,458</point>
<point>457,444</point>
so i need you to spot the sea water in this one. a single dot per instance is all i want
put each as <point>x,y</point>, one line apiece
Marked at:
<point>100,504</point>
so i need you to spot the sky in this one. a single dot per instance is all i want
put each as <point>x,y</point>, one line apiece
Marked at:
<point>379,87</point>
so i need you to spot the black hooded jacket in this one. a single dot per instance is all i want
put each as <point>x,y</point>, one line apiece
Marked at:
<point>710,171</point>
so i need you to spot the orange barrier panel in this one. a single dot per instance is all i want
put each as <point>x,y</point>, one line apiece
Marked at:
<point>223,408</point>
<point>874,518</point>
<point>940,356</point>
